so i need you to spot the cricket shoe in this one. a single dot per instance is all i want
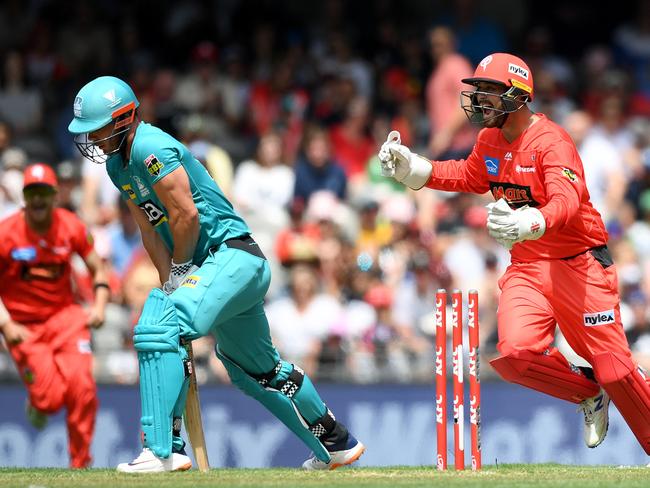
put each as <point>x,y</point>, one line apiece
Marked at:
<point>352,450</point>
<point>148,462</point>
<point>596,412</point>
<point>35,417</point>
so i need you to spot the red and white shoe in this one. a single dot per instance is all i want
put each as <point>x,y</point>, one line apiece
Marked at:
<point>148,462</point>
<point>353,451</point>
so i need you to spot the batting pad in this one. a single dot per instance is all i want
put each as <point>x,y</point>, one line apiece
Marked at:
<point>162,375</point>
<point>547,373</point>
<point>627,386</point>
<point>292,413</point>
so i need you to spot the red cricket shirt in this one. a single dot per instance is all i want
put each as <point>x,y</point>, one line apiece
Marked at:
<point>541,168</point>
<point>35,270</point>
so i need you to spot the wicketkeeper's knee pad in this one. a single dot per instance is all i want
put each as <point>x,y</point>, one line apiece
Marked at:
<point>548,373</point>
<point>289,395</point>
<point>627,386</point>
<point>162,374</point>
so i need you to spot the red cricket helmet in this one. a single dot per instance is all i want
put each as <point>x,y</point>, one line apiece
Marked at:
<point>507,70</point>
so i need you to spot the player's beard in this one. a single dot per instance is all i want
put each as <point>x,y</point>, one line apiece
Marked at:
<point>496,121</point>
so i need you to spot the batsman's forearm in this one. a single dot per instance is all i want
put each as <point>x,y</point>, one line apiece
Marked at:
<point>185,232</point>
<point>159,254</point>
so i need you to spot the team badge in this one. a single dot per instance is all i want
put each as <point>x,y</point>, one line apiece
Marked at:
<point>153,165</point>
<point>569,174</point>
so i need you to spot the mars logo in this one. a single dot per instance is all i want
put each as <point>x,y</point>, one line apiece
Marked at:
<point>484,63</point>
<point>599,318</point>
<point>516,195</point>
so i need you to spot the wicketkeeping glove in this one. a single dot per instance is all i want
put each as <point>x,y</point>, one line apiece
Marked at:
<point>510,226</point>
<point>397,161</point>
<point>177,275</point>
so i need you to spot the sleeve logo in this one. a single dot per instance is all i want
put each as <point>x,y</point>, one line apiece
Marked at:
<point>492,165</point>
<point>153,165</point>
<point>155,215</point>
<point>569,174</point>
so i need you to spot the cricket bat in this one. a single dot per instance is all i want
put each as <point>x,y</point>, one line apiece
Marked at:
<point>193,422</point>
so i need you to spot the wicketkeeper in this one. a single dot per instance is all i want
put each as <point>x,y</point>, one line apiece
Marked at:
<point>214,280</point>
<point>561,271</point>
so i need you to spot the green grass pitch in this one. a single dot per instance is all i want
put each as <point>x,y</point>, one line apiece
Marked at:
<point>393,477</point>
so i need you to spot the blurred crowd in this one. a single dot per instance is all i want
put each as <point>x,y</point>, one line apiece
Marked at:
<point>286,104</point>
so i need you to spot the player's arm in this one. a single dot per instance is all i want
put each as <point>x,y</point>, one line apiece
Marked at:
<point>415,171</point>
<point>102,291</point>
<point>13,332</point>
<point>152,242</point>
<point>175,193</point>
<point>564,184</point>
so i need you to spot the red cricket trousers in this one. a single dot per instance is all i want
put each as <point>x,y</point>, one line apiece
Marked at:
<point>577,294</point>
<point>55,363</point>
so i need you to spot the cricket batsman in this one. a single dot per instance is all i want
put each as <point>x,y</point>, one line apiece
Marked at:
<point>561,271</point>
<point>214,279</point>
<point>46,331</point>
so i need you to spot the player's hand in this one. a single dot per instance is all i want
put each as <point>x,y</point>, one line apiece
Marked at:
<point>510,226</point>
<point>96,317</point>
<point>397,161</point>
<point>178,273</point>
<point>15,333</point>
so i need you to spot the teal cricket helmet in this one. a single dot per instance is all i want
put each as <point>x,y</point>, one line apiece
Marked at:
<point>100,102</point>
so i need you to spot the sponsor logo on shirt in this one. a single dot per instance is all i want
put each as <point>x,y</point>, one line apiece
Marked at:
<point>23,253</point>
<point>508,156</point>
<point>144,191</point>
<point>569,174</point>
<point>516,195</point>
<point>599,318</point>
<point>191,281</point>
<point>154,213</point>
<point>492,165</point>
<point>524,169</point>
<point>129,191</point>
<point>153,165</point>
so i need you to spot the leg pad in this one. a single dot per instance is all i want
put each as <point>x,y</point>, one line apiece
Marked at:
<point>548,373</point>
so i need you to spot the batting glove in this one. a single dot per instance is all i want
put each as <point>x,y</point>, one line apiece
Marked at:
<point>510,226</point>
<point>397,161</point>
<point>177,275</point>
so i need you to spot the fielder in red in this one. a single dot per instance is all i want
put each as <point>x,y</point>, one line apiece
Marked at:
<point>47,333</point>
<point>561,271</point>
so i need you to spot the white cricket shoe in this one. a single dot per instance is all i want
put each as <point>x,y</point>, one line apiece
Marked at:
<point>353,451</point>
<point>596,412</point>
<point>148,462</point>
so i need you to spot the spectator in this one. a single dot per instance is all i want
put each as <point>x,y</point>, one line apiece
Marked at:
<point>316,169</point>
<point>451,136</point>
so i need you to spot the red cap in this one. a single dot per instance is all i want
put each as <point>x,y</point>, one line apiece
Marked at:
<point>39,174</point>
<point>503,68</point>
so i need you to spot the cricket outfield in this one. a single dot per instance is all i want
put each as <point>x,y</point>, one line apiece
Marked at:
<point>509,475</point>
